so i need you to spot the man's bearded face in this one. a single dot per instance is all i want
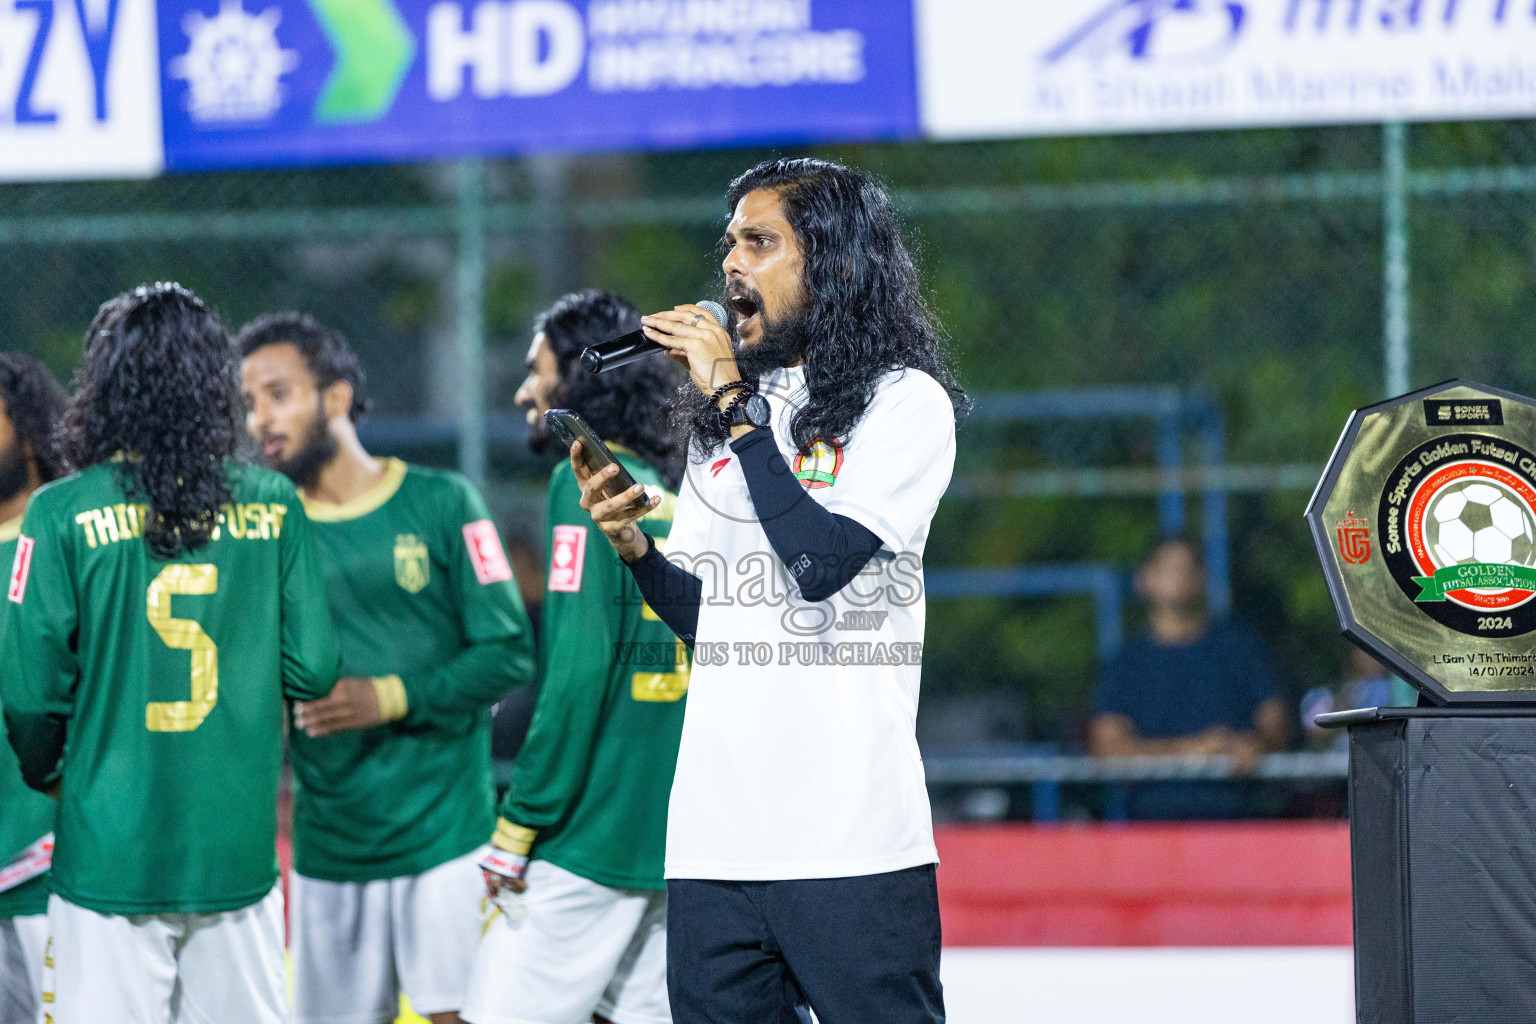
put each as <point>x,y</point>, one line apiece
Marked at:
<point>316,448</point>
<point>780,340</point>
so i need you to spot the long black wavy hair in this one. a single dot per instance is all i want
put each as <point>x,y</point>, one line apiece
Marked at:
<point>864,312</point>
<point>629,405</point>
<point>157,385</point>
<point>35,402</point>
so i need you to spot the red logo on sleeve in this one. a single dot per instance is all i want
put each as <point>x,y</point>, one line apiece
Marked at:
<point>21,568</point>
<point>718,466</point>
<point>485,553</point>
<point>568,553</point>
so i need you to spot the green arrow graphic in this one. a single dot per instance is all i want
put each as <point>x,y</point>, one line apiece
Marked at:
<point>374,49</point>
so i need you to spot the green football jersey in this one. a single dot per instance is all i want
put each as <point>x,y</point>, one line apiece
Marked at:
<point>425,605</point>
<point>590,785</point>
<point>150,691</point>
<point>25,814</point>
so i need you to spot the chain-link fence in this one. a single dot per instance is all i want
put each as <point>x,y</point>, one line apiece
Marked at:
<point>1230,288</point>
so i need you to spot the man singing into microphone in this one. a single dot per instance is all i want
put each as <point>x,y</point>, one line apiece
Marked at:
<point>800,856</point>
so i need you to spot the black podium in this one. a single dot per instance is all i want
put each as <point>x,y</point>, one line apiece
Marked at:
<point>1442,805</point>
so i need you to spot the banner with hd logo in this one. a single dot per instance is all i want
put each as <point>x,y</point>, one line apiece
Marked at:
<point>79,89</point>
<point>991,68</point>
<point>286,82</point>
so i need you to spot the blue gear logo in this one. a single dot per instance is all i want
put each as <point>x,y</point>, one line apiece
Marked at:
<point>234,64</point>
<point>1192,31</point>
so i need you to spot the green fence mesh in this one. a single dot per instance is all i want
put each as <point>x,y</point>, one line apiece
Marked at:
<point>1240,268</point>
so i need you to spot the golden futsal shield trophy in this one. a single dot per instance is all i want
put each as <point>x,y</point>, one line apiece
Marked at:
<point>1425,521</point>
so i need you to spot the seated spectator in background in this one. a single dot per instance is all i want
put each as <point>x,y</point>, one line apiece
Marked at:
<point>1366,683</point>
<point>1190,686</point>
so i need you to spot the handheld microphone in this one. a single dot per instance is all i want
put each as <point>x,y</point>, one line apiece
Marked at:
<point>626,348</point>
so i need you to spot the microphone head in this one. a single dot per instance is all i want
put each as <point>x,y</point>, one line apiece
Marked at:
<point>714,309</point>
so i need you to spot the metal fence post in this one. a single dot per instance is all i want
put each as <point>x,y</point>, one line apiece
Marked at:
<point>1394,140</point>
<point>470,313</point>
<point>1170,460</point>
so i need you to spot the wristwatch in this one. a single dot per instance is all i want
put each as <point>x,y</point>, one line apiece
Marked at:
<point>754,410</point>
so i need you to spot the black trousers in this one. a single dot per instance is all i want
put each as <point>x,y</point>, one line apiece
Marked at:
<point>859,950</point>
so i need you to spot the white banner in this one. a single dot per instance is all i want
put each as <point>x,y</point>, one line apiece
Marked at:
<point>1041,67</point>
<point>1161,985</point>
<point>79,89</point>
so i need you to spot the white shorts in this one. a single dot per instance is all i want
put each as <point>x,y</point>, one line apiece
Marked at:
<point>22,942</point>
<point>166,968</point>
<point>357,945</point>
<point>582,948</point>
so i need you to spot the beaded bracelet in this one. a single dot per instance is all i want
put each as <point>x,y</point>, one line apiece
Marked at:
<point>742,385</point>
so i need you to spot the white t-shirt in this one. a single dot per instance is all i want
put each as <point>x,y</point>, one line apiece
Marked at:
<point>799,755</point>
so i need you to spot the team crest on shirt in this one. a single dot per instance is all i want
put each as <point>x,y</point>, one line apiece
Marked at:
<point>819,466</point>
<point>412,565</point>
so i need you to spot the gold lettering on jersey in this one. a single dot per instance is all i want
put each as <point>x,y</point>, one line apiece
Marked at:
<point>255,520</point>
<point>184,635</point>
<point>112,523</point>
<point>84,519</point>
<point>134,517</point>
<point>412,564</point>
<point>106,525</point>
<point>233,517</point>
<point>663,687</point>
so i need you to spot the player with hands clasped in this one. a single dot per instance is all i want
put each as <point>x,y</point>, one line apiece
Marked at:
<point>393,790</point>
<point>575,867</point>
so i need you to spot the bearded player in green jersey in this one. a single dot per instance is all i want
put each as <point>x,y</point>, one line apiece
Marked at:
<point>163,602</point>
<point>394,798</point>
<point>30,404</point>
<point>583,825</point>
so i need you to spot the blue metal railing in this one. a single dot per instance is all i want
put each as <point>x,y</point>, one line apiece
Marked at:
<point>1175,413</point>
<point>1104,583</point>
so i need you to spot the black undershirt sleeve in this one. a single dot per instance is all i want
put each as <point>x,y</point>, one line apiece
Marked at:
<point>672,592</point>
<point>822,550</point>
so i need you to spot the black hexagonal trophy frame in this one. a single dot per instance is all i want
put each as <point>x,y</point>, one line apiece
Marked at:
<point>1440,797</point>
<point>1370,520</point>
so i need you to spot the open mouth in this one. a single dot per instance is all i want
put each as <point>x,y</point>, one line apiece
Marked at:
<point>271,446</point>
<point>744,307</point>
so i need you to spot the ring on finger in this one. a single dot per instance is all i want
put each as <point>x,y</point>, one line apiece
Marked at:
<point>696,318</point>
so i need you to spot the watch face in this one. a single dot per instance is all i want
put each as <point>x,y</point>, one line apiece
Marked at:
<point>757,411</point>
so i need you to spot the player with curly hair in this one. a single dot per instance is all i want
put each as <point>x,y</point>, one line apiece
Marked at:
<point>583,826</point>
<point>164,600</point>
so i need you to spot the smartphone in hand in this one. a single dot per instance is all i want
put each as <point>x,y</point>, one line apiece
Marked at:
<point>569,427</point>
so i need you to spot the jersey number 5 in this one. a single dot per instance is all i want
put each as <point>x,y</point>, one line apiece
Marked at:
<point>184,635</point>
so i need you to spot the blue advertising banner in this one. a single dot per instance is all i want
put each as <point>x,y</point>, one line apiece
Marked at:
<point>288,82</point>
